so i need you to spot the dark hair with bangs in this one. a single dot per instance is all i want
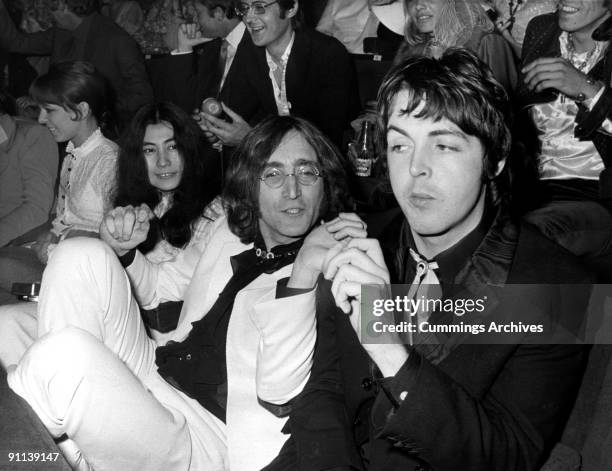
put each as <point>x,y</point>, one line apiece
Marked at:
<point>67,84</point>
<point>199,184</point>
<point>241,192</point>
<point>461,88</point>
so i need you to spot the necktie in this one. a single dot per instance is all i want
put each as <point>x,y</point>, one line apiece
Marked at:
<point>221,66</point>
<point>425,286</point>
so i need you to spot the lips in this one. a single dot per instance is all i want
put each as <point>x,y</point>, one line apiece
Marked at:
<point>166,175</point>
<point>567,9</point>
<point>420,200</point>
<point>293,211</point>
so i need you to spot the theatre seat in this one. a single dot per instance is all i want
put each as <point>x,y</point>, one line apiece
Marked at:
<point>22,432</point>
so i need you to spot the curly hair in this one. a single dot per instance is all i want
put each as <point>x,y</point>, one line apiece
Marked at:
<point>199,184</point>
<point>67,84</point>
<point>241,192</point>
<point>461,88</point>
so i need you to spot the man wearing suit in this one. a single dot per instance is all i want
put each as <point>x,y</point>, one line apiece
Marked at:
<point>291,70</point>
<point>83,34</point>
<point>450,399</point>
<point>202,65</point>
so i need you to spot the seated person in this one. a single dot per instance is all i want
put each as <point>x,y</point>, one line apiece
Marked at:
<point>82,34</point>
<point>448,399</point>
<point>28,170</point>
<point>166,165</point>
<point>205,401</point>
<point>73,99</point>
<point>432,26</point>
<point>292,70</point>
<point>188,76</point>
<point>513,17</point>
<point>565,87</point>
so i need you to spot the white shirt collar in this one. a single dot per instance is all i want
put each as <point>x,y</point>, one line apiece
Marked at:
<point>284,58</point>
<point>90,143</point>
<point>235,36</point>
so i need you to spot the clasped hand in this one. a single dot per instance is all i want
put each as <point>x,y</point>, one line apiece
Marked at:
<point>126,227</point>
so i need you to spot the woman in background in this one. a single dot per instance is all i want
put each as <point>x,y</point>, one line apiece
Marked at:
<point>432,26</point>
<point>74,105</point>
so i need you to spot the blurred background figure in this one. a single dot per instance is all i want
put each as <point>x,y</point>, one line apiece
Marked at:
<point>81,33</point>
<point>349,21</point>
<point>28,171</point>
<point>432,26</point>
<point>512,16</point>
<point>126,13</point>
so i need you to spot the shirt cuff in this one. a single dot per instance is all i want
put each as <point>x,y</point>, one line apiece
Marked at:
<point>127,259</point>
<point>591,102</point>
<point>176,52</point>
<point>283,291</point>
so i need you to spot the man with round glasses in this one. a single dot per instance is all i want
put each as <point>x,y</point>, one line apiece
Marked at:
<point>216,396</point>
<point>292,70</point>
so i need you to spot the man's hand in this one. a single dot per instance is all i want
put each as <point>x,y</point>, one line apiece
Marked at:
<point>557,73</point>
<point>124,228</point>
<point>230,134</point>
<point>189,36</point>
<point>361,262</point>
<point>41,246</point>
<point>321,244</point>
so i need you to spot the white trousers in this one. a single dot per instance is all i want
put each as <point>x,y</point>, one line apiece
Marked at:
<point>91,373</point>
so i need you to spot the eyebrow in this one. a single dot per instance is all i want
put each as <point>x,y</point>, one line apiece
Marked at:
<point>297,163</point>
<point>434,133</point>
<point>147,143</point>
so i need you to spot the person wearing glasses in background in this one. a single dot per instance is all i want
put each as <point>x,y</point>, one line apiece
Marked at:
<point>207,56</point>
<point>217,397</point>
<point>293,70</point>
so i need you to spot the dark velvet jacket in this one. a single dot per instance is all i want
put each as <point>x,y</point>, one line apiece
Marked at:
<point>542,40</point>
<point>476,407</point>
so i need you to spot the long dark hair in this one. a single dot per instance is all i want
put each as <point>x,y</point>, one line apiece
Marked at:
<point>241,192</point>
<point>199,184</point>
<point>67,84</point>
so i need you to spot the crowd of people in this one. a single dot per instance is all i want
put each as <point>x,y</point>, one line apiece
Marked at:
<point>214,295</point>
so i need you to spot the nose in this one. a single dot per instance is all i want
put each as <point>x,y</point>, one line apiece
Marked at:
<point>162,159</point>
<point>419,163</point>
<point>420,4</point>
<point>250,14</point>
<point>291,187</point>
<point>42,116</point>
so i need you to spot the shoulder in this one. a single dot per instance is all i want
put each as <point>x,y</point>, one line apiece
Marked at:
<point>544,24</point>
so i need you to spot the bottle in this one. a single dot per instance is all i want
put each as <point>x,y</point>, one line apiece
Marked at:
<point>366,153</point>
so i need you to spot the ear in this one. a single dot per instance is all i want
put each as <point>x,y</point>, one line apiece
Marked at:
<point>291,12</point>
<point>84,110</point>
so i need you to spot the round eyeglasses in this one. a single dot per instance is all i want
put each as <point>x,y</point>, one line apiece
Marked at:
<point>305,175</point>
<point>259,8</point>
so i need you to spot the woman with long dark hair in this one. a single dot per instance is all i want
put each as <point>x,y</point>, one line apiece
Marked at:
<point>166,163</point>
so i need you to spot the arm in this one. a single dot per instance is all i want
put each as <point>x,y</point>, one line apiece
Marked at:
<point>497,53</point>
<point>38,159</point>
<point>136,87</point>
<point>15,41</point>
<point>336,94</point>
